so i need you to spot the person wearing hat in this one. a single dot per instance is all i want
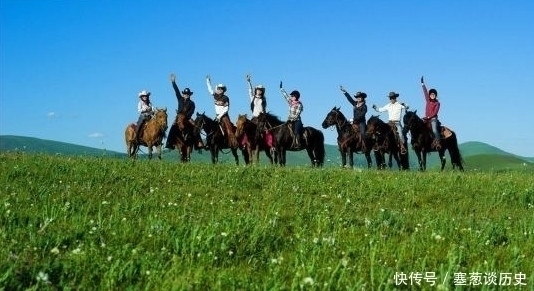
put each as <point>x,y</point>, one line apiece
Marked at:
<point>258,103</point>
<point>145,110</point>
<point>394,110</point>
<point>186,106</point>
<point>222,105</point>
<point>295,109</point>
<point>360,109</point>
<point>431,112</point>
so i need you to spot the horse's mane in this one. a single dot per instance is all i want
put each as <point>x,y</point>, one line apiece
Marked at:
<point>341,115</point>
<point>272,118</point>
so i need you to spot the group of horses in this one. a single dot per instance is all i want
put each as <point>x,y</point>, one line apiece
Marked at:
<point>273,136</point>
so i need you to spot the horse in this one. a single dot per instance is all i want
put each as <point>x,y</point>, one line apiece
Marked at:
<point>215,138</point>
<point>348,140</point>
<point>152,134</point>
<point>246,134</point>
<point>384,140</point>
<point>313,140</point>
<point>184,139</point>
<point>422,139</point>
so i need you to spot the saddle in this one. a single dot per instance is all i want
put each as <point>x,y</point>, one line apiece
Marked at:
<point>302,140</point>
<point>445,131</point>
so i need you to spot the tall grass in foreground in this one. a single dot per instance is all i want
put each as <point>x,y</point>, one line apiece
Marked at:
<point>112,224</point>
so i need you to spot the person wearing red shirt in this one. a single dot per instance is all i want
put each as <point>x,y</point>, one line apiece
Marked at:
<point>431,112</point>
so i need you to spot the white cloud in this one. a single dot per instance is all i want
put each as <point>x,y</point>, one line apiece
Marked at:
<point>96,135</point>
<point>51,114</point>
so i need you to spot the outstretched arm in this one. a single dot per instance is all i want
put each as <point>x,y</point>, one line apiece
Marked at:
<point>347,95</point>
<point>250,90</point>
<point>208,83</point>
<point>284,93</point>
<point>175,87</point>
<point>425,91</point>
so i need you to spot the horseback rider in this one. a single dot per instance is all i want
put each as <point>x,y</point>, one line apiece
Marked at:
<point>360,109</point>
<point>145,110</point>
<point>431,112</point>
<point>258,103</point>
<point>222,105</point>
<point>394,110</point>
<point>186,106</point>
<point>295,109</point>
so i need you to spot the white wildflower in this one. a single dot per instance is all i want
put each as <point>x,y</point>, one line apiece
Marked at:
<point>42,276</point>
<point>307,281</point>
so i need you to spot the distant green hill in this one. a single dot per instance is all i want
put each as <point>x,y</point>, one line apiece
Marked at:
<point>37,145</point>
<point>477,155</point>
<point>497,162</point>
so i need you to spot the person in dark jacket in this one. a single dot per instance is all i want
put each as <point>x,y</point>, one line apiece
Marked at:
<point>360,109</point>
<point>186,106</point>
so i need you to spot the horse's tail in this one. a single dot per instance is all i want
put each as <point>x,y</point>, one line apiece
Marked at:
<point>319,147</point>
<point>454,152</point>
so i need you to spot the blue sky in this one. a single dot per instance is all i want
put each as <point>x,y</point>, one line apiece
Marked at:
<point>71,70</point>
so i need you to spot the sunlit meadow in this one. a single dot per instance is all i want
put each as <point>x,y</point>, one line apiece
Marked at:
<point>79,223</point>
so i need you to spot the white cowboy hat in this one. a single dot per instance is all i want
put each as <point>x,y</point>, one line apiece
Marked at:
<point>144,93</point>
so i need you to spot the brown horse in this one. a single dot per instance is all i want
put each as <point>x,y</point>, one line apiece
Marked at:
<point>249,139</point>
<point>152,134</point>
<point>184,140</point>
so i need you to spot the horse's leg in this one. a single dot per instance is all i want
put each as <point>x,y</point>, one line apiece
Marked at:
<point>350,153</point>
<point>419,159</point>
<point>312,156</point>
<point>214,154</point>
<point>159,151</point>
<point>390,160</point>
<point>441,153</point>
<point>425,153</point>
<point>236,157</point>
<point>343,158</point>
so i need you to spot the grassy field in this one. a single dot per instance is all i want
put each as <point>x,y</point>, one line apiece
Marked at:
<point>82,223</point>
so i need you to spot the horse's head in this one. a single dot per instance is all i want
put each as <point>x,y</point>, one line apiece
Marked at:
<point>373,124</point>
<point>410,119</point>
<point>240,124</point>
<point>160,116</point>
<point>200,122</point>
<point>334,117</point>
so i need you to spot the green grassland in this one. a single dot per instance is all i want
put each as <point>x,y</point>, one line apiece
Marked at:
<point>101,223</point>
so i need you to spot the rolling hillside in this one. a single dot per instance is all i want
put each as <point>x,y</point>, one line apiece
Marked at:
<point>477,155</point>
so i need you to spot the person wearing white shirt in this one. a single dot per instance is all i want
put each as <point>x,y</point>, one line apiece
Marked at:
<point>222,105</point>
<point>145,110</point>
<point>258,102</point>
<point>394,110</point>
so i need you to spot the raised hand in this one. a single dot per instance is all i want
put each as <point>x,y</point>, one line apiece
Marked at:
<point>208,77</point>
<point>280,84</point>
<point>422,81</point>
<point>173,78</point>
<point>248,77</point>
<point>374,106</point>
<point>342,89</point>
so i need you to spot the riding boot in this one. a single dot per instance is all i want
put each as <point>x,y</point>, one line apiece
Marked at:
<point>296,143</point>
<point>138,134</point>
<point>363,147</point>
<point>436,144</point>
<point>402,148</point>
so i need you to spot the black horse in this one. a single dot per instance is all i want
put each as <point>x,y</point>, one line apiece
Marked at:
<point>384,140</point>
<point>215,139</point>
<point>348,140</point>
<point>313,139</point>
<point>249,139</point>
<point>422,138</point>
